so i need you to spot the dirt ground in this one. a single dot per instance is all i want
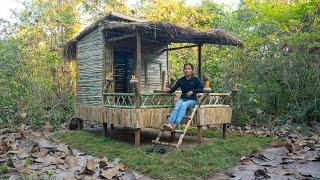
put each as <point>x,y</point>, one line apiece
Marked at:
<point>25,152</point>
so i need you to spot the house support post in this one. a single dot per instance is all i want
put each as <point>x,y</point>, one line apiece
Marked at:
<point>199,134</point>
<point>137,134</point>
<point>105,129</point>
<point>224,131</point>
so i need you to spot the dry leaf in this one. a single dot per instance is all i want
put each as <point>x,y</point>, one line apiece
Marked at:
<point>246,161</point>
<point>67,150</point>
<point>297,157</point>
<point>23,115</point>
<point>14,152</point>
<point>10,163</point>
<point>42,153</point>
<point>81,170</point>
<point>281,171</point>
<point>313,137</point>
<point>279,143</point>
<point>21,131</point>
<point>44,143</point>
<point>64,125</point>
<point>39,160</point>
<point>293,147</point>
<point>90,165</point>
<point>47,128</point>
<point>23,169</point>
<point>36,134</point>
<point>287,161</point>
<point>4,147</point>
<point>103,162</point>
<point>110,173</point>
<point>261,172</point>
<point>23,154</point>
<point>121,167</point>
<point>50,160</point>
<point>35,167</point>
<point>311,145</point>
<point>6,131</point>
<point>254,153</point>
<point>262,157</point>
<point>71,162</point>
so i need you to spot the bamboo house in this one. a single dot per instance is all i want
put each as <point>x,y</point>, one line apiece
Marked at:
<point>122,65</point>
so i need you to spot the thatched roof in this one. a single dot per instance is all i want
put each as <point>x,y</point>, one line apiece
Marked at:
<point>161,32</point>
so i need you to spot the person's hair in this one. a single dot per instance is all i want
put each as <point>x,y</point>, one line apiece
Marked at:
<point>188,64</point>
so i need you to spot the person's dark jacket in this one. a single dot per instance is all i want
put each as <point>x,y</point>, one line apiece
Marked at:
<point>193,84</point>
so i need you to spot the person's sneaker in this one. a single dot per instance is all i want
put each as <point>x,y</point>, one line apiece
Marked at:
<point>168,127</point>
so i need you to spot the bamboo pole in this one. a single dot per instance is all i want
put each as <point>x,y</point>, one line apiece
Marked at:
<point>135,86</point>
<point>138,60</point>
<point>120,38</point>
<point>199,61</point>
<point>163,80</point>
<point>137,134</point>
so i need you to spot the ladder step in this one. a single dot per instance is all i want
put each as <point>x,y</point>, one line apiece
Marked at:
<point>178,131</point>
<point>164,143</point>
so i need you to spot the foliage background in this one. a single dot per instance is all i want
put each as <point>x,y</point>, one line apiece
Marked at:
<point>278,70</point>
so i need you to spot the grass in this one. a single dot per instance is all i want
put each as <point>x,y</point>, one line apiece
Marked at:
<point>190,163</point>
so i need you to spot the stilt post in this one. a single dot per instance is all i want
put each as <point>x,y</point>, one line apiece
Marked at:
<point>137,134</point>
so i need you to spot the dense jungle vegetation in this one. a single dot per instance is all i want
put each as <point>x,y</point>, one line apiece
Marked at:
<point>278,70</point>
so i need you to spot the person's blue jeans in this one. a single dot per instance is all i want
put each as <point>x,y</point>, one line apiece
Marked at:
<point>180,109</point>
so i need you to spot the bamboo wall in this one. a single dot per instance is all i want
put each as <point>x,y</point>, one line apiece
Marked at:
<point>136,118</point>
<point>213,115</point>
<point>89,69</point>
<point>89,113</point>
<point>153,64</point>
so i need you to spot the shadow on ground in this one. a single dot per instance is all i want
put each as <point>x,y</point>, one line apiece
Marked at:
<point>124,134</point>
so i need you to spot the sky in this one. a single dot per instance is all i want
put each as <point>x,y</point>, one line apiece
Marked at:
<point>6,5</point>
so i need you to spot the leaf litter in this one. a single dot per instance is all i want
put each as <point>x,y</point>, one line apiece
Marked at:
<point>291,155</point>
<point>37,156</point>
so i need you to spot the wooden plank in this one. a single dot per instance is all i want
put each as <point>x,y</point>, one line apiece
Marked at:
<point>111,40</point>
<point>213,94</point>
<point>182,47</point>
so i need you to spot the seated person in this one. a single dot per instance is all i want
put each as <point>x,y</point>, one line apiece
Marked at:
<point>190,86</point>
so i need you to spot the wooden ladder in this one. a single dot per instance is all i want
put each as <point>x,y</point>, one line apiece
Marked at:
<point>182,132</point>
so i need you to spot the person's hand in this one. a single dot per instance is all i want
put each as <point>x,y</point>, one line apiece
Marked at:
<point>167,89</point>
<point>189,93</point>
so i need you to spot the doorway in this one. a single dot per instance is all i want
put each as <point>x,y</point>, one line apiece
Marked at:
<point>123,69</point>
